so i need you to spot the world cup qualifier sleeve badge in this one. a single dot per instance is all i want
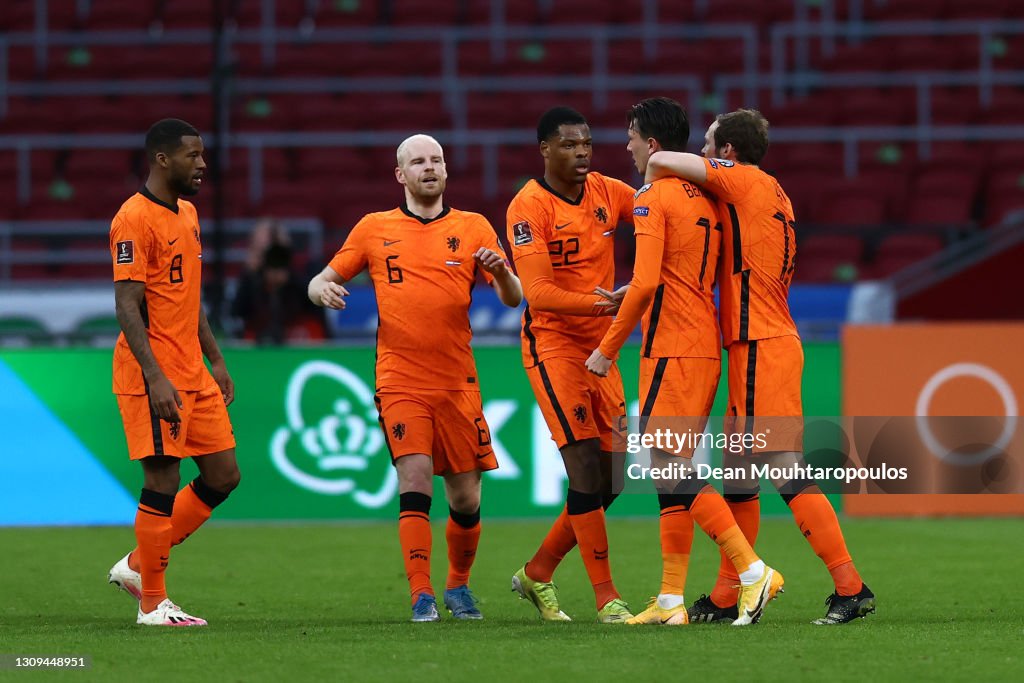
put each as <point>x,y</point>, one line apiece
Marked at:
<point>521,233</point>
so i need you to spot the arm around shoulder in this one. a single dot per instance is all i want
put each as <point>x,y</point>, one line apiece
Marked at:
<point>678,164</point>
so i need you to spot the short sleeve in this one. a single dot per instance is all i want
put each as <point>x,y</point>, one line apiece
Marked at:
<point>488,239</point>
<point>130,244</point>
<point>649,213</point>
<point>528,222</point>
<point>352,258</point>
<point>728,180</point>
<point>622,199</point>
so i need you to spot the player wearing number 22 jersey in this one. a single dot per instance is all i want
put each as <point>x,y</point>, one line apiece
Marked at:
<point>562,228</point>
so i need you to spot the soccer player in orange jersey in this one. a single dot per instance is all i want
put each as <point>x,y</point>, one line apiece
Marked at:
<point>677,242</point>
<point>423,258</point>
<point>562,228</point>
<point>171,405</point>
<point>765,354</point>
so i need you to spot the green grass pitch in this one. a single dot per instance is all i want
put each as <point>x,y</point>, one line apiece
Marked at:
<point>329,602</point>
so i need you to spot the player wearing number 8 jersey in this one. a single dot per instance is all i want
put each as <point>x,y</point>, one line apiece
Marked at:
<point>562,228</point>
<point>172,406</point>
<point>765,354</point>
<point>423,259</point>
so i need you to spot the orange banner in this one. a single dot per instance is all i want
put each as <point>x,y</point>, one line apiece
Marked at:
<point>933,371</point>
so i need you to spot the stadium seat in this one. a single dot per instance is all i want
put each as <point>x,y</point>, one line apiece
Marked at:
<point>577,12</point>
<point>347,14</point>
<point>845,207</point>
<point>976,9</point>
<point>22,331</point>
<point>108,15</point>
<point>877,107</point>
<point>86,164</point>
<point>895,10</point>
<point>678,12</point>
<point>950,208</point>
<point>1003,193</point>
<point>828,258</point>
<point>900,250</point>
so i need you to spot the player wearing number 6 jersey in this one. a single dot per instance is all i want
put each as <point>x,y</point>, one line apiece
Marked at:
<point>765,355</point>
<point>423,259</point>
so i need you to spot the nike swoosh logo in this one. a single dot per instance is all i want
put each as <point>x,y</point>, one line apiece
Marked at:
<point>559,227</point>
<point>388,244</point>
<point>169,242</point>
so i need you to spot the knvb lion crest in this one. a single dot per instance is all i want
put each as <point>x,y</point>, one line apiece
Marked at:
<point>601,214</point>
<point>453,244</point>
<point>580,413</point>
<point>398,431</point>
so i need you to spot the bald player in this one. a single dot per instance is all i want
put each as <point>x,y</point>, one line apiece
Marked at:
<point>423,258</point>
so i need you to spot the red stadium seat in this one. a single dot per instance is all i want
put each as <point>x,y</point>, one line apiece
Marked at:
<point>578,12</point>
<point>106,15</point>
<point>977,9</point>
<point>841,207</point>
<point>901,250</point>
<point>678,12</point>
<point>877,107</point>
<point>346,14</point>
<point>894,10</point>
<point>948,208</point>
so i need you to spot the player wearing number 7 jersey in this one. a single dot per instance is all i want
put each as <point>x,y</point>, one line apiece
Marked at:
<point>765,355</point>
<point>677,245</point>
<point>423,259</point>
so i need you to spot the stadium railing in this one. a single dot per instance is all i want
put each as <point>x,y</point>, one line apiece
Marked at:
<point>307,235</point>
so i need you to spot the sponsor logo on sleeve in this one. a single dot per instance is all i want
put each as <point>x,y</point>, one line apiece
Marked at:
<point>724,162</point>
<point>125,252</point>
<point>643,188</point>
<point>641,210</point>
<point>521,234</point>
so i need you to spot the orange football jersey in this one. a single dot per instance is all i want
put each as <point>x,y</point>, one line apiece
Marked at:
<point>681,320</point>
<point>758,251</point>
<point>423,274</point>
<point>579,237</point>
<point>158,244</point>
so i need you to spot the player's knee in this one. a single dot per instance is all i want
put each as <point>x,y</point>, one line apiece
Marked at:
<point>226,481</point>
<point>415,473</point>
<point>583,465</point>
<point>465,501</point>
<point>463,518</point>
<point>581,502</point>
<point>414,501</point>
<point>683,493</point>
<point>794,487</point>
<point>741,496</point>
<point>211,493</point>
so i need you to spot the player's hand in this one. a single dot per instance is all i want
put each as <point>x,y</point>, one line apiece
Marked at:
<point>165,399</point>
<point>616,297</point>
<point>598,363</point>
<point>332,295</point>
<point>490,260</point>
<point>224,381</point>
